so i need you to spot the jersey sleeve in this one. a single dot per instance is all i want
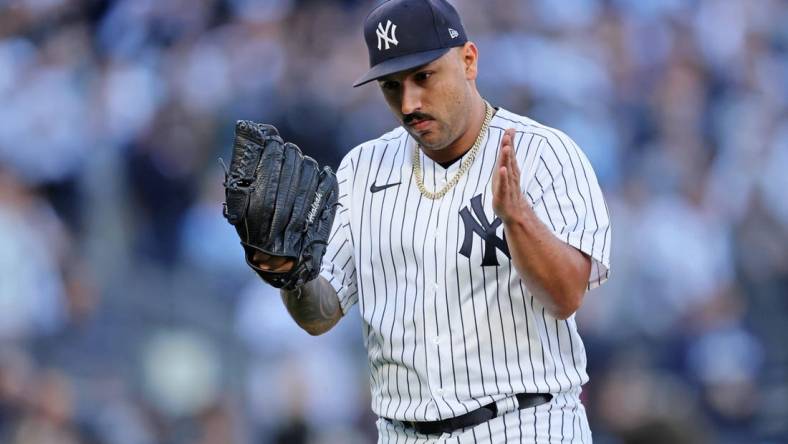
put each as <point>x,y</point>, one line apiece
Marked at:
<point>338,265</point>
<point>565,195</point>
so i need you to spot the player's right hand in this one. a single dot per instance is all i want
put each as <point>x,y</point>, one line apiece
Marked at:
<point>508,201</point>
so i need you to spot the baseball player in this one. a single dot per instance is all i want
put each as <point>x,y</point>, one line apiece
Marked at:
<point>467,237</point>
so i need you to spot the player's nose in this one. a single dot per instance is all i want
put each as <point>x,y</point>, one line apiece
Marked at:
<point>411,99</point>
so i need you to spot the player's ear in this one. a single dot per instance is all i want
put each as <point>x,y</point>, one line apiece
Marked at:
<point>469,54</point>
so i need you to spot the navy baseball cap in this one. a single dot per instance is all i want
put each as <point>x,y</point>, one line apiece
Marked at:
<point>404,34</point>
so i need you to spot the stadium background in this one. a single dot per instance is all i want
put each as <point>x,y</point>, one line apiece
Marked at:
<point>128,316</point>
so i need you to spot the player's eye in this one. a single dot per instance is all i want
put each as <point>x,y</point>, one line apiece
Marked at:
<point>422,76</point>
<point>389,85</point>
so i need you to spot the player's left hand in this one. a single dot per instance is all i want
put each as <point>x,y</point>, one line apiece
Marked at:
<point>281,203</point>
<point>508,201</point>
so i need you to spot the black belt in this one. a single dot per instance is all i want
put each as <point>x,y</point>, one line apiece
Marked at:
<point>475,417</point>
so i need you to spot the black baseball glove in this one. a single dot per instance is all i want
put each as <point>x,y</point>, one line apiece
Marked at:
<point>280,202</point>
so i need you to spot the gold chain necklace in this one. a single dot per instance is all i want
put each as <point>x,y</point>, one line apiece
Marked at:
<point>464,166</point>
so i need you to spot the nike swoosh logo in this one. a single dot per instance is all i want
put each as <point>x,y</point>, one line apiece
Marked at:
<point>375,188</point>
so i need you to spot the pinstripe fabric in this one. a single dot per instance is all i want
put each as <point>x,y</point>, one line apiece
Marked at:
<point>444,333</point>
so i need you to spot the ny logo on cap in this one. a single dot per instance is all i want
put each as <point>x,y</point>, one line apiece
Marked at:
<point>383,34</point>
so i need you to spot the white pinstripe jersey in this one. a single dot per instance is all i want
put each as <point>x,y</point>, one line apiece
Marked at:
<point>449,325</point>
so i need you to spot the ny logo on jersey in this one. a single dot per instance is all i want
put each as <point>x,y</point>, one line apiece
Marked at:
<point>384,36</point>
<point>486,230</point>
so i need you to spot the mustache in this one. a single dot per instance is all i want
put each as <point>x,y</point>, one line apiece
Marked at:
<point>408,119</point>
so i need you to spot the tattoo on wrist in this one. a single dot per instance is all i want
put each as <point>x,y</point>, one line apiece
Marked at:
<point>315,307</point>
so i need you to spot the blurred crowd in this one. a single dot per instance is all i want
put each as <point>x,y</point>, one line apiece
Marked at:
<point>127,313</point>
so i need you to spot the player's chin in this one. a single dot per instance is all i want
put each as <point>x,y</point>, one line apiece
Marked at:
<point>426,138</point>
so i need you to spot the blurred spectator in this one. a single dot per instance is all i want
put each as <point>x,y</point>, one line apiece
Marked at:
<point>32,290</point>
<point>51,413</point>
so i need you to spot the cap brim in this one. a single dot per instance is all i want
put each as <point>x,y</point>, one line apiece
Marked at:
<point>398,64</point>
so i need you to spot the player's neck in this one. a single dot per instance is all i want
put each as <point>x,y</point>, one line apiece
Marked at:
<point>466,140</point>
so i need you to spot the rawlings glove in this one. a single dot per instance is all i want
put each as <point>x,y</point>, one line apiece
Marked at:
<point>280,202</point>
